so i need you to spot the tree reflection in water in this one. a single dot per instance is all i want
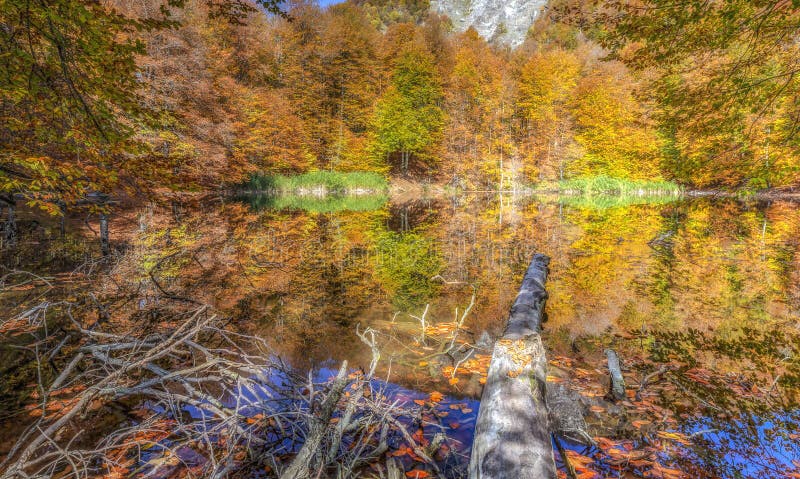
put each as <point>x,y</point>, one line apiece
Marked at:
<point>699,296</point>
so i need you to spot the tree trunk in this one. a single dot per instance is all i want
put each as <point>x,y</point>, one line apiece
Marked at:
<point>512,432</point>
<point>62,221</point>
<point>10,229</point>
<point>617,389</point>
<point>177,212</point>
<point>105,245</point>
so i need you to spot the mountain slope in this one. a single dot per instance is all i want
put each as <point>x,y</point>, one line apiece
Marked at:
<point>504,21</point>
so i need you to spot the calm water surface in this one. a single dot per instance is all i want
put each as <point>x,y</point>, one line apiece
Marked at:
<point>700,297</point>
<point>708,289</point>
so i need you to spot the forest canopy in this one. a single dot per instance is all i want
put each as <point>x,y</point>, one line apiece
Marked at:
<point>138,98</point>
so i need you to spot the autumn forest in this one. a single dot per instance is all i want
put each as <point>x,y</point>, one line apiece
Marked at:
<point>143,97</point>
<point>268,239</point>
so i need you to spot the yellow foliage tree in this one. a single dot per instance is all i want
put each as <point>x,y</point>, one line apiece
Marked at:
<point>546,83</point>
<point>268,135</point>
<point>614,138</point>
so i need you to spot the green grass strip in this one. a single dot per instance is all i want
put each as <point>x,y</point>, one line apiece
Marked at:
<point>328,182</point>
<point>606,185</point>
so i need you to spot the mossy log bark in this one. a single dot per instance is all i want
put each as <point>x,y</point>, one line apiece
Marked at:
<point>512,432</point>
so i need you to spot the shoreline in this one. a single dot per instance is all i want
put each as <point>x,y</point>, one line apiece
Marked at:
<point>417,190</point>
<point>403,190</point>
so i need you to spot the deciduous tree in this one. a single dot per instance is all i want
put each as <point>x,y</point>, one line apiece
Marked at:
<point>409,119</point>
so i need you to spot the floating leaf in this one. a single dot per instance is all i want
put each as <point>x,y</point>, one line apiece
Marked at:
<point>639,423</point>
<point>417,474</point>
<point>675,436</point>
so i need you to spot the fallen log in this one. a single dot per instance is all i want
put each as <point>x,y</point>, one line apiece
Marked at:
<point>512,432</point>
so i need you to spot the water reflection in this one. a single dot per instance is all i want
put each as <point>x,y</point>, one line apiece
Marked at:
<point>711,265</point>
<point>634,275</point>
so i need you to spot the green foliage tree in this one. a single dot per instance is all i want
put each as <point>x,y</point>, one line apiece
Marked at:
<point>383,13</point>
<point>406,263</point>
<point>69,96</point>
<point>409,118</point>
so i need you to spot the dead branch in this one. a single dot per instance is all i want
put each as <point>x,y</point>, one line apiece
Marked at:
<point>199,389</point>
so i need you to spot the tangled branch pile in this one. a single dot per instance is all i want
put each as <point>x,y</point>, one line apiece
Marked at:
<point>191,401</point>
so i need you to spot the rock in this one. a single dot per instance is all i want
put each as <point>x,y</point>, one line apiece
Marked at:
<point>566,414</point>
<point>502,21</point>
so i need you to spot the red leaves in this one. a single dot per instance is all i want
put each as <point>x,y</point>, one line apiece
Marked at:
<point>433,399</point>
<point>581,465</point>
<point>417,474</point>
<point>403,451</point>
<point>660,472</point>
<point>622,455</point>
<point>638,423</point>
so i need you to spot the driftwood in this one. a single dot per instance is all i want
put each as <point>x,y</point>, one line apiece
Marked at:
<point>304,460</point>
<point>268,415</point>
<point>617,387</point>
<point>394,470</point>
<point>512,432</point>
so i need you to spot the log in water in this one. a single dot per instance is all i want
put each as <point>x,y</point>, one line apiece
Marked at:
<point>512,433</point>
<point>617,388</point>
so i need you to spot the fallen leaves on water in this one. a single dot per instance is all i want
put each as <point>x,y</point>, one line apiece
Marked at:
<point>675,436</point>
<point>255,418</point>
<point>660,472</point>
<point>578,459</point>
<point>417,474</point>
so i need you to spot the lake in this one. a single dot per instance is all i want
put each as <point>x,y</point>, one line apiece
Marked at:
<point>700,297</point>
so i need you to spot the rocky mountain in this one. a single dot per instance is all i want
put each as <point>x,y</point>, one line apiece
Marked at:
<point>504,21</point>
